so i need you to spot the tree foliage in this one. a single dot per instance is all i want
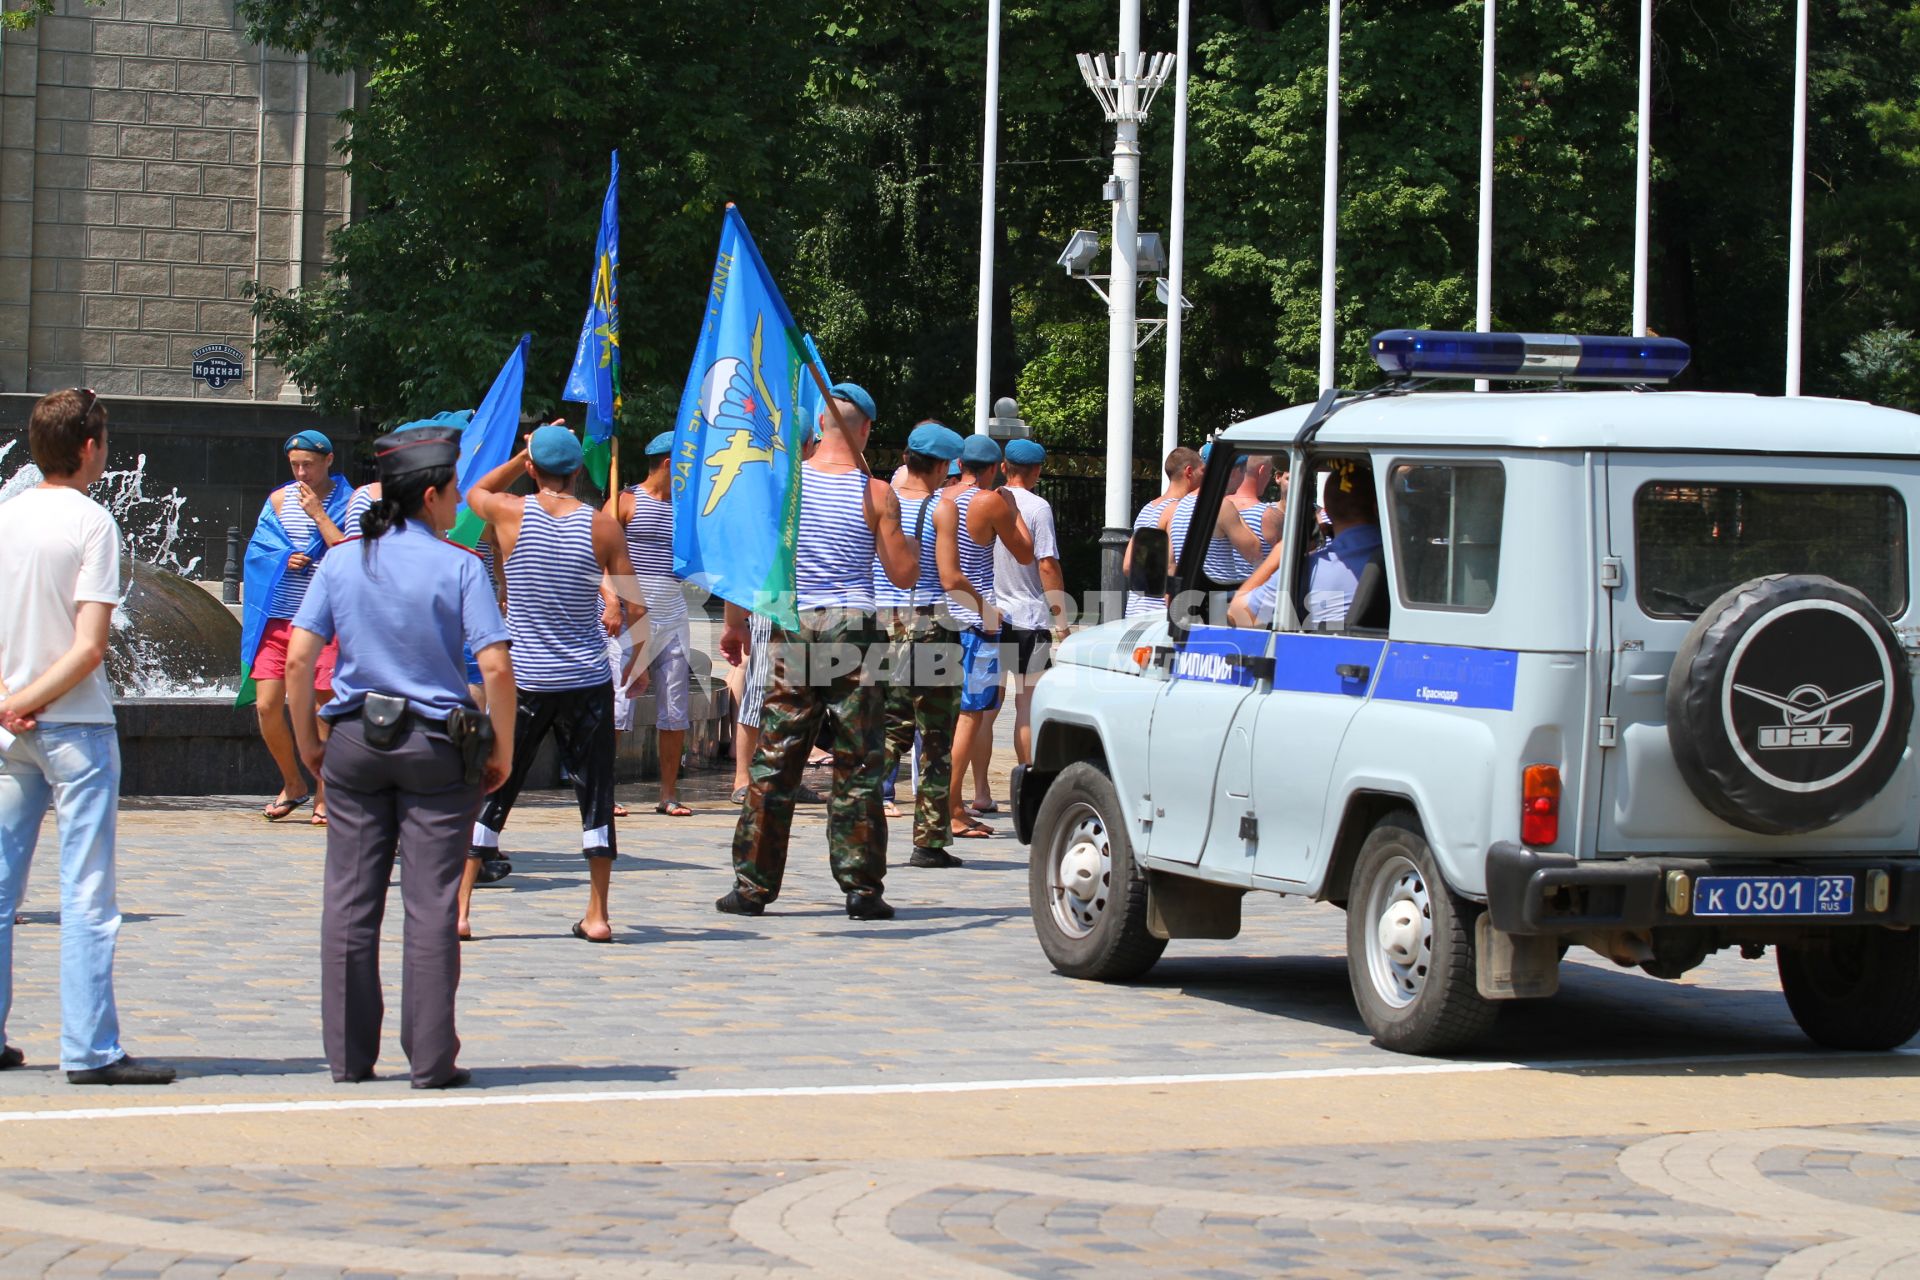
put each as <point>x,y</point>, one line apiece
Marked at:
<point>849,133</point>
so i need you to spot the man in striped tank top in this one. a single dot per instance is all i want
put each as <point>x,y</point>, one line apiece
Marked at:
<point>645,513</point>
<point>922,693</point>
<point>1264,518</point>
<point>820,673</point>
<point>301,507</point>
<point>982,518</point>
<point>555,553</point>
<point>1230,535</point>
<point>1183,475</point>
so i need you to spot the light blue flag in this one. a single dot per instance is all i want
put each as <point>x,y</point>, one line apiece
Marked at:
<point>736,439</point>
<point>594,379</point>
<point>490,435</point>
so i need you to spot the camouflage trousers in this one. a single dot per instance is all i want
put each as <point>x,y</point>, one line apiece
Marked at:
<point>929,708</point>
<point>812,682</point>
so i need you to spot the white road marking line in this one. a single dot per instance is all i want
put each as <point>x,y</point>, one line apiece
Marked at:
<point>924,1087</point>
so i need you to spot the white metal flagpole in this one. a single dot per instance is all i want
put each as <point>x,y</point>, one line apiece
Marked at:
<point>1797,220</point>
<point>1643,172</point>
<point>989,160</point>
<point>1121,284</point>
<point>1330,203</point>
<point>1483,304</point>
<point>1176,244</point>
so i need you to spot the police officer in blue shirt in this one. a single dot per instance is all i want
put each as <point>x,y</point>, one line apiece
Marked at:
<point>409,759</point>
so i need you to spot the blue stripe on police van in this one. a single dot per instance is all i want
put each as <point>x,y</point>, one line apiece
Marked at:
<point>1307,663</point>
<point>1206,656</point>
<point>1448,675</point>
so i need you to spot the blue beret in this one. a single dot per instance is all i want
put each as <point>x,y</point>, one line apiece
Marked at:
<point>979,448</point>
<point>933,440</point>
<point>556,450</point>
<point>1206,451</point>
<point>662,443</point>
<point>310,440</point>
<point>856,395</point>
<point>953,468</point>
<point>1025,453</point>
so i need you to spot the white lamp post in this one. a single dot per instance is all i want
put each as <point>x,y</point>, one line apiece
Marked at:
<point>1643,172</point>
<point>1483,303</point>
<point>1797,215</point>
<point>1177,243</point>
<point>1125,88</point>
<point>1330,201</point>
<point>989,159</point>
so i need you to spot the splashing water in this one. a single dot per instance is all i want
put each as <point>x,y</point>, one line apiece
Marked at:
<point>141,664</point>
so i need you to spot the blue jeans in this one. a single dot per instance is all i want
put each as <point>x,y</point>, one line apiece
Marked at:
<point>76,769</point>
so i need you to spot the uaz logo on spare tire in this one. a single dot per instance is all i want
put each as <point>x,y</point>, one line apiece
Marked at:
<point>1789,704</point>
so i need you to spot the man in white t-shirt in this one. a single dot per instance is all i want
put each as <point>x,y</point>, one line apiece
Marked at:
<point>1032,599</point>
<point>59,583</point>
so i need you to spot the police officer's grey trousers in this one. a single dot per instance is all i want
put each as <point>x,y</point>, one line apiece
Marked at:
<point>411,797</point>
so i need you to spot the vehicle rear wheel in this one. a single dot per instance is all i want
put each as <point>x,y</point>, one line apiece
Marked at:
<point>1088,896</point>
<point>1854,988</point>
<point>1410,946</point>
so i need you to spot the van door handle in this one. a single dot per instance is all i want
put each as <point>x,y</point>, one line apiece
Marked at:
<point>1352,671</point>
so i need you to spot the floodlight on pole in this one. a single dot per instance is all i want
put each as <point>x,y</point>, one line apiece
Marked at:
<point>1124,85</point>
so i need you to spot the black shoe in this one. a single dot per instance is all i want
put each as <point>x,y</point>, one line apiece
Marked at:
<point>461,1076</point>
<point>493,867</point>
<point>868,906</point>
<point>738,904</point>
<point>123,1071</point>
<point>11,1057</point>
<point>933,858</point>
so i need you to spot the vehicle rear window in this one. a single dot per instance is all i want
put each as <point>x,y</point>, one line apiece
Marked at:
<point>1694,542</point>
<point>1446,529</point>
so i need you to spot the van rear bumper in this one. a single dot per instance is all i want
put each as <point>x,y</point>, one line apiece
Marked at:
<point>1529,892</point>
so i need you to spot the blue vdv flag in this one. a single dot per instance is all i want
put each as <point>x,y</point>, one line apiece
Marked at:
<point>595,377</point>
<point>736,438</point>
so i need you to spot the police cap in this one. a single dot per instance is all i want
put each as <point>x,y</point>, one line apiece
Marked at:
<point>418,446</point>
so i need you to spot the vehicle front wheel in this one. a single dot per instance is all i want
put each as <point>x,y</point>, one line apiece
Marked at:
<point>1410,946</point>
<point>1089,898</point>
<point>1854,988</point>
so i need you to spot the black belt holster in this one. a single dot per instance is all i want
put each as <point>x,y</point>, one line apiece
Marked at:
<point>384,719</point>
<point>471,733</point>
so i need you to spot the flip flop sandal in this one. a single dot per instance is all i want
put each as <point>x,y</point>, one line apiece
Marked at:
<point>739,795</point>
<point>279,810</point>
<point>989,807</point>
<point>675,810</point>
<point>317,820</point>
<point>620,811</point>
<point>580,932</point>
<point>892,810</point>
<point>973,831</point>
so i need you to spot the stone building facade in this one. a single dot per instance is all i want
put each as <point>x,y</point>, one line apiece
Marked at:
<point>152,161</point>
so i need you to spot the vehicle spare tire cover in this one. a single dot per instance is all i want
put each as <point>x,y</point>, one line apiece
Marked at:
<point>1789,704</point>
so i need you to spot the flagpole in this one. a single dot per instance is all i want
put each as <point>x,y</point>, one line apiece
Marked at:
<point>989,160</point>
<point>1797,217</point>
<point>1483,306</point>
<point>1176,245</point>
<point>613,476</point>
<point>1330,203</point>
<point>1643,173</point>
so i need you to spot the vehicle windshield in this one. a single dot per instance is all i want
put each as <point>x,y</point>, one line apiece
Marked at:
<point>1695,541</point>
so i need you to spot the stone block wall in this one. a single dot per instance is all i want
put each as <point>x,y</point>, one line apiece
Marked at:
<point>152,161</point>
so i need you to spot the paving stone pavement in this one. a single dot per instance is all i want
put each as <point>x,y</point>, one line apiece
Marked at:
<point>217,973</point>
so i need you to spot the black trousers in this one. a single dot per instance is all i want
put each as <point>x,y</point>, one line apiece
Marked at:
<point>581,721</point>
<point>412,801</point>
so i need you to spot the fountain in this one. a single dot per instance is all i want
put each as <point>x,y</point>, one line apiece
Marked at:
<point>173,656</point>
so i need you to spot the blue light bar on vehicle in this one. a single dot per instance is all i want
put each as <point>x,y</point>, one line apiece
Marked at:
<point>1542,357</point>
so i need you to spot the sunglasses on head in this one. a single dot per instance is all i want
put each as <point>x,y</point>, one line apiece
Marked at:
<point>86,406</point>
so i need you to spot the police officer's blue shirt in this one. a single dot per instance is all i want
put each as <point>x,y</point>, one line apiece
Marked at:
<point>403,615</point>
<point>1333,574</point>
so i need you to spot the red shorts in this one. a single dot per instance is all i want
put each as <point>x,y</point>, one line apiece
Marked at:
<point>270,662</point>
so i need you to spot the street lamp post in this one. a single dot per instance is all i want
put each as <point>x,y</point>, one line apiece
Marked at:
<point>1125,88</point>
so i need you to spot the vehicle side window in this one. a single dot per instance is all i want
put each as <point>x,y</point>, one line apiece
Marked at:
<point>1697,539</point>
<point>1446,519</point>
